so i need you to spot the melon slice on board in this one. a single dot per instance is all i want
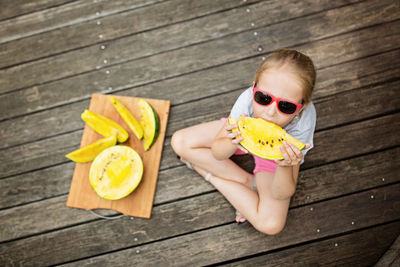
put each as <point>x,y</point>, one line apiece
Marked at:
<point>116,172</point>
<point>150,123</point>
<point>89,153</point>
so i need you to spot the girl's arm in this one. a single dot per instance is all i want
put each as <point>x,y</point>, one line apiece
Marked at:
<point>225,144</point>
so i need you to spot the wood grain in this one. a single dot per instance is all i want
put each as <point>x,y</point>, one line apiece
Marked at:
<point>21,7</point>
<point>144,44</point>
<point>201,55</point>
<point>85,33</point>
<point>347,176</point>
<point>32,154</point>
<point>212,244</point>
<point>140,202</point>
<point>346,250</point>
<point>63,15</point>
<point>227,49</point>
<point>347,72</point>
<point>217,244</point>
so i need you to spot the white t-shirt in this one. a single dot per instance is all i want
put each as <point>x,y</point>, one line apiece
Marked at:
<point>301,128</point>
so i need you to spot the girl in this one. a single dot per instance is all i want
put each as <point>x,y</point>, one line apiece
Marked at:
<point>281,93</point>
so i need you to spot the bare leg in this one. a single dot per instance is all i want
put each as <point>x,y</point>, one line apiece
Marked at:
<point>194,145</point>
<point>266,214</point>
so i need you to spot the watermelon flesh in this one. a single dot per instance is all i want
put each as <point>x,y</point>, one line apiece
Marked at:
<point>262,138</point>
<point>116,172</point>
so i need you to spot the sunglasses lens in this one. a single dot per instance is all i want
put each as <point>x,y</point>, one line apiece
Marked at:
<point>262,99</point>
<point>287,107</point>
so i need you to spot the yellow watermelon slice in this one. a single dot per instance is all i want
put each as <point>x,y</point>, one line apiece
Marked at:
<point>150,123</point>
<point>89,153</point>
<point>262,138</point>
<point>128,117</point>
<point>116,172</point>
<point>104,126</point>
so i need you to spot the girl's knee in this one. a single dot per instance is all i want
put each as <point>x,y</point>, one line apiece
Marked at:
<point>178,142</point>
<point>270,226</point>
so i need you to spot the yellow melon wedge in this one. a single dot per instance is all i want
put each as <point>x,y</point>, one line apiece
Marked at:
<point>262,138</point>
<point>130,120</point>
<point>104,126</point>
<point>150,123</point>
<point>116,172</point>
<point>88,153</point>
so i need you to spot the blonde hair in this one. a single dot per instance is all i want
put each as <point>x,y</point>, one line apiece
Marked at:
<point>300,65</point>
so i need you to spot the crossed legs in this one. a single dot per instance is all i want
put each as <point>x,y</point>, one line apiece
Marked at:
<point>265,213</point>
<point>194,145</point>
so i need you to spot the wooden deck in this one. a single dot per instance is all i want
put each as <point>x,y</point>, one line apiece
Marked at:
<point>200,55</point>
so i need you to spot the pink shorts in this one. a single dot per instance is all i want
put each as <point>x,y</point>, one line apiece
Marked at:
<point>261,165</point>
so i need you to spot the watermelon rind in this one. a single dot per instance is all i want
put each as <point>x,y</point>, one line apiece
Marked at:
<point>150,123</point>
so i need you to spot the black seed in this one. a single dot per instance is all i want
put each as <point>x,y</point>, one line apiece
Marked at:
<point>259,141</point>
<point>267,142</point>
<point>262,143</point>
<point>271,145</point>
<point>272,141</point>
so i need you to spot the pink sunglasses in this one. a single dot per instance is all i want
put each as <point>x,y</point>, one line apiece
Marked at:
<point>284,106</point>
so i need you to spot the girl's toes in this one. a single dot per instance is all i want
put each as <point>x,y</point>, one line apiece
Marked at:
<point>239,218</point>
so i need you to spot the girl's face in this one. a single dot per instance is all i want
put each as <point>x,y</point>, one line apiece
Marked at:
<point>281,84</point>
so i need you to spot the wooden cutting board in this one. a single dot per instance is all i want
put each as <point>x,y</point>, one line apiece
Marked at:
<point>140,202</point>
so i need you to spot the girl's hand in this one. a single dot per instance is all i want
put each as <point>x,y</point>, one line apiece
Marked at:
<point>233,135</point>
<point>292,156</point>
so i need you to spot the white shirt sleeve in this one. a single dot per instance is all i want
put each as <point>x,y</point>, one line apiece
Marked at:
<point>243,105</point>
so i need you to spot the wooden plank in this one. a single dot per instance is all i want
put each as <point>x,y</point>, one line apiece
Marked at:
<point>214,78</point>
<point>206,246</point>
<point>341,142</point>
<point>365,136</point>
<point>392,256</point>
<point>63,16</point>
<point>10,9</point>
<point>38,154</point>
<point>114,26</point>
<point>189,59</point>
<point>148,43</point>
<point>216,244</point>
<point>379,99</point>
<point>83,230</point>
<point>28,187</point>
<point>40,157</point>
<point>347,76</point>
<point>358,174</point>
<point>362,248</point>
<point>356,74</point>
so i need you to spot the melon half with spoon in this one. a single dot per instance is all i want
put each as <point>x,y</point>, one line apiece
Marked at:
<point>262,138</point>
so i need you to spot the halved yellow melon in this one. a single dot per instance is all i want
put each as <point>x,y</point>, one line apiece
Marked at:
<point>88,153</point>
<point>104,126</point>
<point>128,117</point>
<point>116,172</point>
<point>262,138</point>
<point>150,123</point>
